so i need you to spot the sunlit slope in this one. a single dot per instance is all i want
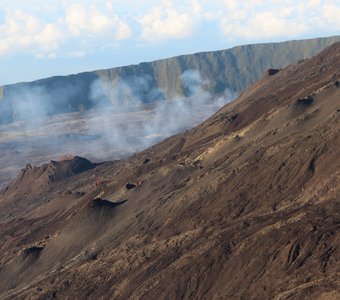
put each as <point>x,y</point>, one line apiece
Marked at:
<point>243,206</point>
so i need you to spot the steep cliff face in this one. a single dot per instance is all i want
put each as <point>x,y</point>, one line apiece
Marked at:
<point>55,95</point>
<point>243,206</point>
<point>233,69</point>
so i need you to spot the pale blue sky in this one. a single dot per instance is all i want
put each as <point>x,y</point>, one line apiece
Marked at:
<point>58,37</point>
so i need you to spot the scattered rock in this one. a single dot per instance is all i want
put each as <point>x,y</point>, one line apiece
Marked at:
<point>304,101</point>
<point>130,186</point>
<point>99,182</point>
<point>67,192</point>
<point>232,118</point>
<point>33,251</point>
<point>270,72</point>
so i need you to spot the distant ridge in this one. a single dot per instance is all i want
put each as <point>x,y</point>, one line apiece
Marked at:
<point>233,69</point>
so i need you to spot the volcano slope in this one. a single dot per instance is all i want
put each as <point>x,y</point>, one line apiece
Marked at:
<point>243,206</point>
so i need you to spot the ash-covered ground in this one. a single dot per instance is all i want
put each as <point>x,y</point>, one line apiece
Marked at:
<point>99,134</point>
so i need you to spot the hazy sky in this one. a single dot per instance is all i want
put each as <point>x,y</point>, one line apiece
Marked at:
<point>55,37</point>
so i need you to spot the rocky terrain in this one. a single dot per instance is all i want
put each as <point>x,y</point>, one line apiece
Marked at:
<point>98,134</point>
<point>87,113</point>
<point>243,206</point>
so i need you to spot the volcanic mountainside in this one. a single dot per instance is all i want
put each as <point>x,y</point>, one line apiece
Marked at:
<point>243,206</point>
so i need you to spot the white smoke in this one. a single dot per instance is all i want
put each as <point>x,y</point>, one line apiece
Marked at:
<point>138,116</point>
<point>131,125</point>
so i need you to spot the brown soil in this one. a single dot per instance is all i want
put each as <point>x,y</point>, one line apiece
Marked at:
<point>244,206</point>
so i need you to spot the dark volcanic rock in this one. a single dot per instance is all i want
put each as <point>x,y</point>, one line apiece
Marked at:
<point>304,101</point>
<point>270,72</point>
<point>33,251</point>
<point>130,186</point>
